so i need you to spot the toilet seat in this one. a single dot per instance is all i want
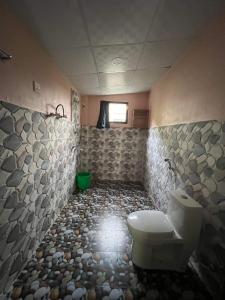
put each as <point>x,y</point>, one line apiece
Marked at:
<point>150,224</point>
<point>166,241</point>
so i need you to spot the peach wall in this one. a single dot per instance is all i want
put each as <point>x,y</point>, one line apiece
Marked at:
<point>30,62</point>
<point>90,106</point>
<point>194,89</point>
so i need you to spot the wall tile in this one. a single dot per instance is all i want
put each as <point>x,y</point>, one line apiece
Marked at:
<point>197,153</point>
<point>37,171</point>
<point>114,153</point>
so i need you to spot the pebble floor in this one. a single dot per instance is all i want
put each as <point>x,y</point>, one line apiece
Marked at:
<point>87,254</point>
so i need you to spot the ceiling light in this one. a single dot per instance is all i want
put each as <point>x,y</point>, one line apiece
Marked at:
<point>117,61</point>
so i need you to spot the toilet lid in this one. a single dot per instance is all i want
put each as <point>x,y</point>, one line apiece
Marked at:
<point>154,223</point>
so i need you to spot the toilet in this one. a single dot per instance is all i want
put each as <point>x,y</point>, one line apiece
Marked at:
<point>166,241</point>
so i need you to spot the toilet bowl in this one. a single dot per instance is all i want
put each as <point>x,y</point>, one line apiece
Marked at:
<point>166,241</point>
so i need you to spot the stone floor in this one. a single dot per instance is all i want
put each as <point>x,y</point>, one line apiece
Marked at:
<point>87,254</point>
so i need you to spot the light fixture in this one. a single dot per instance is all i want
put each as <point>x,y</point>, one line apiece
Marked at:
<point>117,61</point>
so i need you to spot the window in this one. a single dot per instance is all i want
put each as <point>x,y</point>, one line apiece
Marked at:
<point>118,112</point>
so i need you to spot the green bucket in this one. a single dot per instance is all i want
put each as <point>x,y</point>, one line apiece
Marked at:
<point>83,180</point>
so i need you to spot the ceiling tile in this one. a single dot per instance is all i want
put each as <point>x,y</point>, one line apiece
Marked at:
<point>114,79</point>
<point>89,91</point>
<point>180,19</point>
<point>58,24</point>
<point>85,81</point>
<point>124,90</point>
<point>116,21</point>
<point>129,55</point>
<point>147,77</point>
<point>114,90</point>
<point>162,54</point>
<point>125,82</point>
<point>74,61</point>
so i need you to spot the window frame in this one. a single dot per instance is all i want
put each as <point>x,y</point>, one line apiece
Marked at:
<point>121,102</point>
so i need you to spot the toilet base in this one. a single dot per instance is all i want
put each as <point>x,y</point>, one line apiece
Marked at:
<point>158,257</point>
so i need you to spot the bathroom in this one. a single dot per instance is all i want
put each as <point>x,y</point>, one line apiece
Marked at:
<point>133,93</point>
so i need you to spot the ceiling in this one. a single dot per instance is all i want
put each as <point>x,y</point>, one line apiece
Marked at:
<point>116,46</point>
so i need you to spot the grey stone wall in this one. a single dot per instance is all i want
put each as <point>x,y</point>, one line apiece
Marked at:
<point>114,153</point>
<point>197,152</point>
<point>37,171</point>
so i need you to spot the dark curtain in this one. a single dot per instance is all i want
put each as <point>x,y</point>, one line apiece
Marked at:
<point>103,119</point>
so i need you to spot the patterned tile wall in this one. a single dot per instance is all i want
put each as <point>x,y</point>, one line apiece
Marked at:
<point>37,171</point>
<point>197,152</point>
<point>113,154</point>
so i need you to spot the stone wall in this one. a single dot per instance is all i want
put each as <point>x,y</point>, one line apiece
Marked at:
<point>113,154</point>
<point>197,152</point>
<point>37,170</point>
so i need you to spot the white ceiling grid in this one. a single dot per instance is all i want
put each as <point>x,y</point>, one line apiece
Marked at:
<point>116,46</point>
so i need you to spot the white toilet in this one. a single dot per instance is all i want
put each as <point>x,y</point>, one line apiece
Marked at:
<point>166,241</point>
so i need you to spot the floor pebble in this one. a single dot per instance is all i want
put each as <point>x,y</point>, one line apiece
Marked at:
<point>86,254</point>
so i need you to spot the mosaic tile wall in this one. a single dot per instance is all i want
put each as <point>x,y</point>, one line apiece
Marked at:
<point>113,154</point>
<point>197,153</point>
<point>37,170</point>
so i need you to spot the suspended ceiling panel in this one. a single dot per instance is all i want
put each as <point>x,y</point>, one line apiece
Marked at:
<point>118,90</point>
<point>177,19</point>
<point>115,79</point>
<point>146,77</point>
<point>162,54</point>
<point>118,21</point>
<point>116,46</point>
<point>75,60</point>
<point>58,23</point>
<point>85,80</point>
<point>117,58</point>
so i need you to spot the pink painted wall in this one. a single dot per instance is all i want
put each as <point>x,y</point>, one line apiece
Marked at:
<point>194,89</point>
<point>30,62</point>
<point>90,106</point>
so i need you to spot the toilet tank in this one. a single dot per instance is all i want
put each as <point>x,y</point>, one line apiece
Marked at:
<point>186,215</point>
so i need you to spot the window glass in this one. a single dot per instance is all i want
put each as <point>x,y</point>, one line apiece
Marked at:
<point>118,112</point>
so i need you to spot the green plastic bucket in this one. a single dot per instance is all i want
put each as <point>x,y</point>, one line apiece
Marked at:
<point>83,180</point>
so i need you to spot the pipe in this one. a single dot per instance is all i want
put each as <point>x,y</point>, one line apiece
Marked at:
<point>56,110</point>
